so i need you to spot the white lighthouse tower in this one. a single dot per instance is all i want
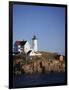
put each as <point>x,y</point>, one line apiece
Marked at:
<point>34,43</point>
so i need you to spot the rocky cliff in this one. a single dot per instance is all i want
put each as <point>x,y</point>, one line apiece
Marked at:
<point>43,64</point>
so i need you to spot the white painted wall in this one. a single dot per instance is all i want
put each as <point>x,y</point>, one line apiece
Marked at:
<point>18,47</point>
<point>34,54</point>
<point>27,47</point>
<point>34,45</point>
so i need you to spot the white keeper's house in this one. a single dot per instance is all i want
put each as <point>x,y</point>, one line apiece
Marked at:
<point>24,47</point>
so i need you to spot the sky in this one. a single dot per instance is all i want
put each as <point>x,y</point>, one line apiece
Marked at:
<point>46,22</point>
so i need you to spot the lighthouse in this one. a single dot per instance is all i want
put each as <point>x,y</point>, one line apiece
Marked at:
<point>34,43</point>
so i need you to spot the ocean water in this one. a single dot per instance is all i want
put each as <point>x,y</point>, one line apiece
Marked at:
<point>38,79</point>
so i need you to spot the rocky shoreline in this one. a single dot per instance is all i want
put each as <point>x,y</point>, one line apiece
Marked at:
<point>41,65</point>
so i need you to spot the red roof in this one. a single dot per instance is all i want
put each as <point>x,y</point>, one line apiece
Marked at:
<point>20,42</point>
